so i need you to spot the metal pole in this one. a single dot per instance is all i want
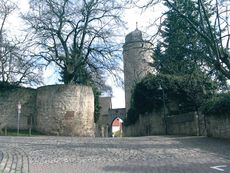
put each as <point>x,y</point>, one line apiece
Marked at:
<point>30,125</point>
<point>6,131</point>
<point>197,124</point>
<point>19,112</point>
<point>166,126</point>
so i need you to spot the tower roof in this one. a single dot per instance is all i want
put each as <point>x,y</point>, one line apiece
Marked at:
<point>134,36</point>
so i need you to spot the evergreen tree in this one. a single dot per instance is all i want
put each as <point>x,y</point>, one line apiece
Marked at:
<point>182,52</point>
<point>182,47</point>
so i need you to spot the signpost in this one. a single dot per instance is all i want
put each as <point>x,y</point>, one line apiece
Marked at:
<point>19,106</point>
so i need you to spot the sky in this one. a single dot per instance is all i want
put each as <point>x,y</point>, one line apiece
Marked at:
<point>131,17</point>
<point>143,20</point>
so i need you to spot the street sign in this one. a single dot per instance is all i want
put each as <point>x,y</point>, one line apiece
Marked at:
<point>19,107</point>
<point>19,112</point>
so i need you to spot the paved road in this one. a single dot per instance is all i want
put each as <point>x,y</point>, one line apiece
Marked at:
<point>153,154</point>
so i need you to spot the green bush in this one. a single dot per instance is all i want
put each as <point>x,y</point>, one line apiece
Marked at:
<point>189,92</point>
<point>97,107</point>
<point>117,134</point>
<point>219,105</point>
<point>132,117</point>
<point>5,86</point>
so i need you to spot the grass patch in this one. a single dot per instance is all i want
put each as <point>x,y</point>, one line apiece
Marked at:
<point>13,132</point>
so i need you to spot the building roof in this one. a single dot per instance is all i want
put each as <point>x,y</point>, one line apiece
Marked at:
<point>134,36</point>
<point>117,122</point>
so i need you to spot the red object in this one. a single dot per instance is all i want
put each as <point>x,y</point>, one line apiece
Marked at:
<point>116,122</point>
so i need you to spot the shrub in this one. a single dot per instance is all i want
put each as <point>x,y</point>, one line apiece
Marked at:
<point>117,134</point>
<point>132,117</point>
<point>5,86</point>
<point>190,93</point>
<point>219,105</point>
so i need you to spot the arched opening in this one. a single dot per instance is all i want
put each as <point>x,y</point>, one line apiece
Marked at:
<point>117,127</point>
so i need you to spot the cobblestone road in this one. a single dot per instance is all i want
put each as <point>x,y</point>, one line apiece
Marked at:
<point>114,155</point>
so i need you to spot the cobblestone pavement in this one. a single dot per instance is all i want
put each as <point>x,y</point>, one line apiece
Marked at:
<point>155,154</point>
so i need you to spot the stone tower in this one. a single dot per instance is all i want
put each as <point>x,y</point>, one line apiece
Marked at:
<point>137,54</point>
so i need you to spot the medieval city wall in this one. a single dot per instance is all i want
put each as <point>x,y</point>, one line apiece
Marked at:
<point>146,125</point>
<point>189,124</point>
<point>9,100</point>
<point>154,124</point>
<point>65,110</point>
<point>218,126</point>
<point>183,124</point>
<point>55,110</point>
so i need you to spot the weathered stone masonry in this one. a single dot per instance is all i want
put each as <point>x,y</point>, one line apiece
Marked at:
<point>8,107</point>
<point>137,54</point>
<point>56,110</point>
<point>218,126</point>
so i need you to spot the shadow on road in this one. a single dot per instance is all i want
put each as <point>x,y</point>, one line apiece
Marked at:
<point>219,147</point>
<point>180,168</point>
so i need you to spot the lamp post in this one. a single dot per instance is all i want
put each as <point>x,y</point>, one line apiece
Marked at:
<point>19,106</point>
<point>164,108</point>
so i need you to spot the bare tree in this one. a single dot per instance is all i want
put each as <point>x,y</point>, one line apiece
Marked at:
<point>214,29</point>
<point>16,66</point>
<point>78,36</point>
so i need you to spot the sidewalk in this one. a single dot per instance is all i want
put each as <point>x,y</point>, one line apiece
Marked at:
<point>13,161</point>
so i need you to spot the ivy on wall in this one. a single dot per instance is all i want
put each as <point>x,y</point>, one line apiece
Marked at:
<point>188,92</point>
<point>96,94</point>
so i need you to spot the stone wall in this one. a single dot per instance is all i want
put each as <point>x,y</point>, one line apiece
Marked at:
<point>189,124</point>
<point>65,110</point>
<point>183,124</point>
<point>154,124</point>
<point>102,123</point>
<point>8,105</point>
<point>55,110</point>
<point>218,126</point>
<point>147,125</point>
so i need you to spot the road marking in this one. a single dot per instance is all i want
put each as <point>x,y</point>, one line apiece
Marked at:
<point>219,167</point>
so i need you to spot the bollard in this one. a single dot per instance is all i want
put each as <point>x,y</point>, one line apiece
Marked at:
<point>197,124</point>
<point>30,131</point>
<point>5,130</point>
